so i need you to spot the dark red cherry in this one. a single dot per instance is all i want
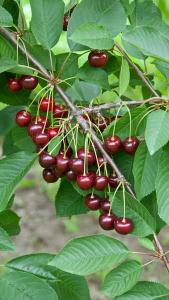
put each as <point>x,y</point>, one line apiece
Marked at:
<point>62,163</point>
<point>113,180</point>
<point>101,161</point>
<point>101,182</point>
<point>35,128</point>
<point>76,165</point>
<point>92,174</point>
<point>23,118</point>
<point>68,153</point>
<point>85,182</point>
<point>49,176</point>
<point>70,175</point>
<point>92,201</point>
<point>28,82</point>
<point>130,144</point>
<point>123,225</point>
<point>90,156</point>
<point>106,221</point>
<point>65,22</point>
<point>101,123</point>
<point>40,119</point>
<point>60,111</point>
<point>46,160</point>
<point>46,104</point>
<point>14,85</point>
<point>41,139</point>
<point>105,205</point>
<point>97,59</point>
<point>52,132</point>
<point>112,144</point>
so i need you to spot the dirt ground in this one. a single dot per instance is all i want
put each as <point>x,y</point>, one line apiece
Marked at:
<point>41,231</point>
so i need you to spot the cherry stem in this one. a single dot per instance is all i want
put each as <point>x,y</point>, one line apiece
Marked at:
<point>116,118</point>
<point>114,195</point>
<point>145,115</point>
<point>95,152</point>
<point>130,119</point>
<point>124,202</point>
<point>86,153</point>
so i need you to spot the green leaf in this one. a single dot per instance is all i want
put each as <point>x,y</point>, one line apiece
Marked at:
<point>47,21</point>
<point>109,14</point>
<point>22,140</point>
<point>12,169</point>
<point>71,66</point>
<point>144,223</point>
<point>55,145</point>
<point>157,130</point>
<point>145,290</point>
<point>124,77</point>
<point>68,201</point>
<point>5,18</point>
<point>85,32</point>
<point>6,64</point>
<point>162,186</point>
<point>9,221</point>
<point>86,255</point>
<point>122,279</point>
<point>124,162</point>
<point>7,117</point>
<point>147,243</point>
<point>83,91</point>
<point>5,242</point>
<point>20,285</point>
<point>145,171</point>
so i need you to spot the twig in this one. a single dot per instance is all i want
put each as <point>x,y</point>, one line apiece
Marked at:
<point>161,251</point>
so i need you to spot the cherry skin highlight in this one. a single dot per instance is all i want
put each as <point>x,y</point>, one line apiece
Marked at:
<point>28,82</point>
<point>41,139</point>
<point>70,175</point>
<point>106,221</point>
<point>97,59</point>
<point>131,144</point>
<point>101,182</point>
<point>92,202</point>
<point>105,205</point>
<point>85,182</point>
<point>23,118</point>
<point>112,144</point>
<point>65,22</point>
<point>113,180</point>
<point>52,132</point>
<point>35,128</point>
<point>49,176</point>
<point>46,160</point>
<point>76,165</point>
<point>14,85</point>
<point>123,225</point>
<point>62,163</point>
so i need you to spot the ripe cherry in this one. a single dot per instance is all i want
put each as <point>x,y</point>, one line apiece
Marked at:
<point>123,225</point>
<point>85,182</point>
<point>92,174</point>
<point>101,161</point>
<point>90,156</point>
<point>52,132</point>
<point>130,144</point>
<point>97,58</point>
<point>101,182</point>
<point>68,152</point>
<point>62,163</point>
<point>65,22</point>
<point>14,85</point>
<point>76,165</point>
<point>105,205</point>
<point>101,123</point>
<point>113,180</point>
<point>70,175</point>
<point>40,119</point>
<point>23,118</point>
<point>106,221</point>
<point>41,139</point>
<point>35,128</point>
<point>28,82</point>
<point>92,201</point>
<point>112,144</point>
<point>49,176</point>
<point>46,160</point>
<point>46,104</point>
<point>60,111</point>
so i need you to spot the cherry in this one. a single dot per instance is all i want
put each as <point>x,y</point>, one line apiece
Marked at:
<point>101,161</point>
<point>41,139</point>
<point>35,128</point>
<point>57,172</point>
<point>46,160</point>
<point>65,22</point>
<point>101,182</point>
<point>62,163</point>
<point>123,225</point>
<point>14,85</point>
<point>68,153</point>
<point>92,174</point>
<point>28,82</point>
<point>113,180</point>
<point>97,58</point>
<point>49,176</point>
<point>85,182</point>
<point>105,205</point>
<point>70,175</point>
<point>60,111</point>
<point>92,201</point>
<point>101,123</point>
<point>46,104</point>
<point>130,144</point>
<point>106,221</point>
<point>23,118</point>
<point>76,165</point>
<point>52,132</point>
<point>112,144</point>
<point>90,156</point>
<point>40,119</point>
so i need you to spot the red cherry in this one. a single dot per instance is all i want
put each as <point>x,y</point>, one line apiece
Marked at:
<point>85,182</point>
<point>105,205</point>
<point>101,182</point>
<point>49,176</point>
<point>130,144</point>
<point>46,160</point>
<point>40,119</point>
<point>113,180</point>
<point>52,132</point>
<point>68,152</point>
<point>101,123</point>
<point>97,59</point>
<point>70,175</point>
<point>106,221</point>
<point>35,128</point>
<point>62,163</point>
<point>92,201</point>
<point>101,161</point>
<point>23,118</point>
<point>41,139</point>
<point>76,165</point>
<point>14,85</point>
<point>46,104</point>
<point>92,174</point>
<point>65,22</point>
<point>90,156</point>
<point>28,82</point>
<point>60,111</point>
<point>112,144</point>
<point>123,225</point>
